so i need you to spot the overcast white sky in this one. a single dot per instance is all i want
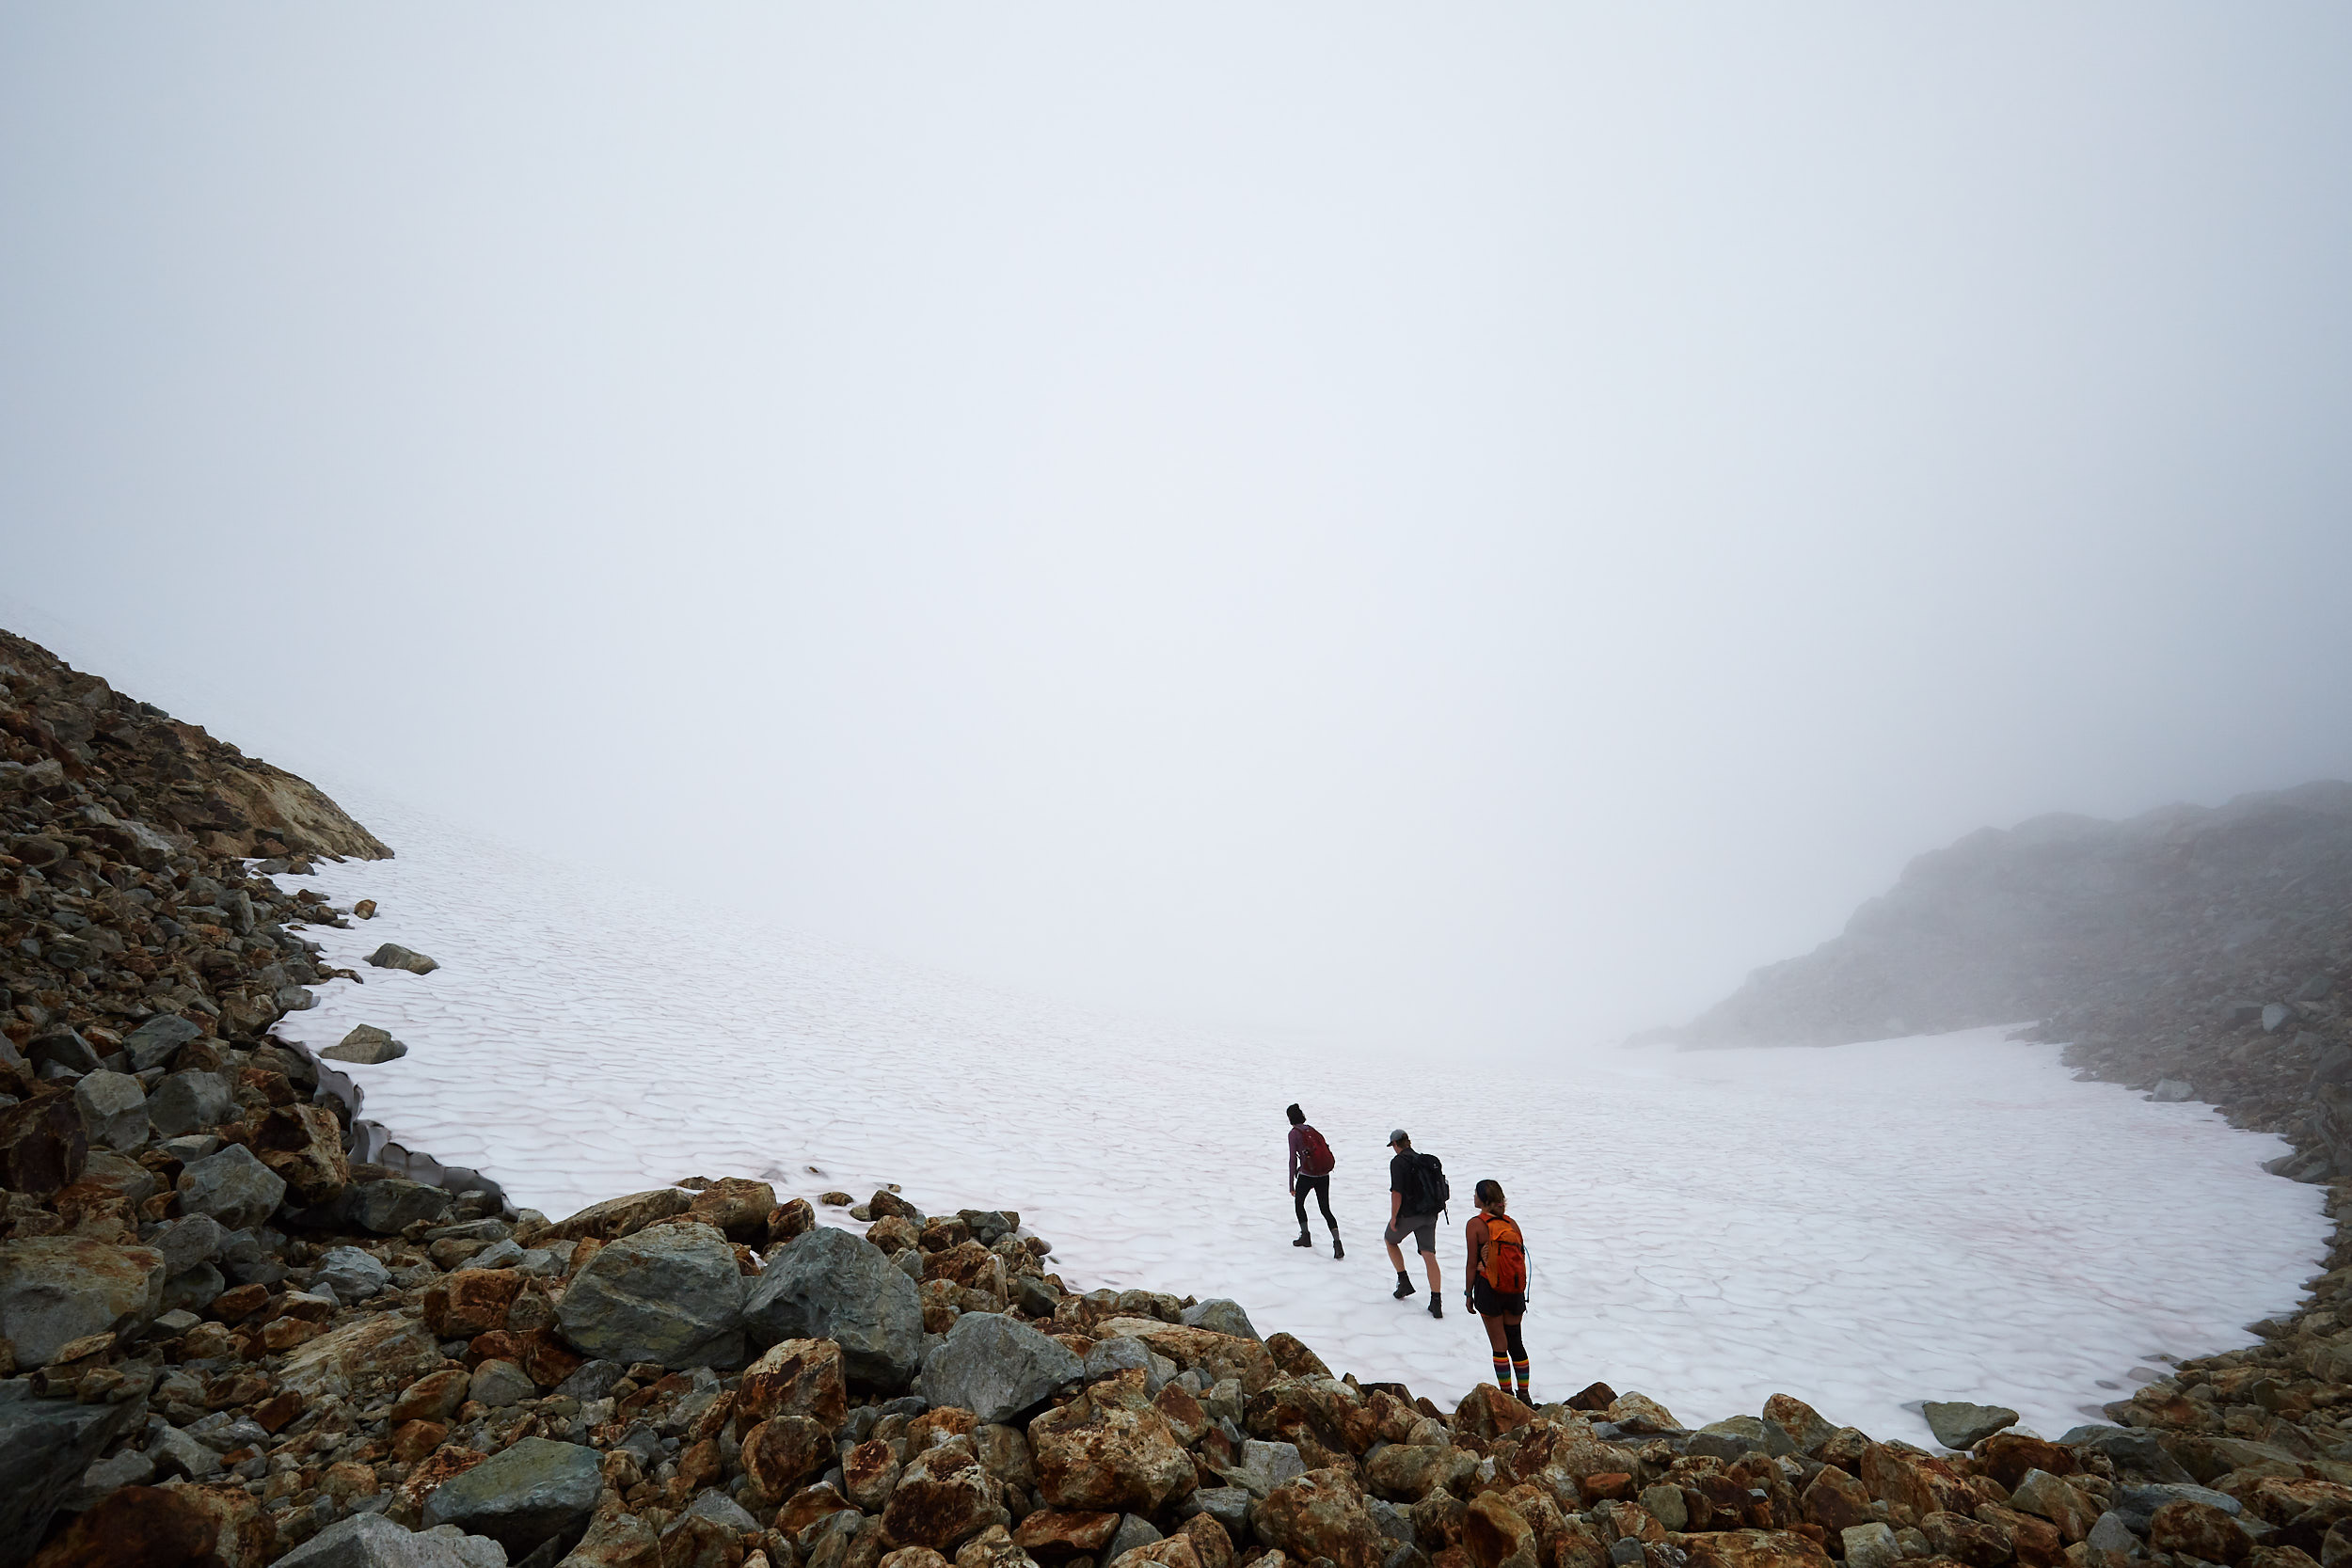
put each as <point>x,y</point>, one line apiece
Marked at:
<point>1463,524</point>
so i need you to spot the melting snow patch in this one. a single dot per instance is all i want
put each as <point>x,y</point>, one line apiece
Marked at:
<point>1864,1228</point>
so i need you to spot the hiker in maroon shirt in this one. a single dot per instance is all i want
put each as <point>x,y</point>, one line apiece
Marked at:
<point>1311,1172</point>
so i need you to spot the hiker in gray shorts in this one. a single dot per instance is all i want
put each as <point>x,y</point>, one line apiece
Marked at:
<point>1417,1191</point>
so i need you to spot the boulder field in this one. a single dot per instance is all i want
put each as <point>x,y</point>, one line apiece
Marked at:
<point>239,1327</point>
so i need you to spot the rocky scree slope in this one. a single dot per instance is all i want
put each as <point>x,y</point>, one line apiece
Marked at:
<point>236,1336</point>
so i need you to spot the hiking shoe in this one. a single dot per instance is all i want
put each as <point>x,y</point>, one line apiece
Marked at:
<point>1436,1307</point>
<point>1527,1398</point>
<point>1403,1289</point>
<point>1304,1240</point>
<point>1337,1250</point>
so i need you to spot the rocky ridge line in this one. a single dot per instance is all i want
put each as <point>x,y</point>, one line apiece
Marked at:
<point>237,1339</point>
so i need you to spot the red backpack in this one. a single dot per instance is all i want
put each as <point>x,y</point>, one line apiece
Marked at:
<point>1317,1159</point>
<point>1503,1262</point>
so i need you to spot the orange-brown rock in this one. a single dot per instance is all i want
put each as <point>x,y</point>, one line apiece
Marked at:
<point>239,1301</point>
<point>1094,1455</point>
<point>1052,1535</point>
<point>807,1506</point>
<point>617,1217</point>
<point>44,1144</point>
<point>1753,1548</point>
<point>735,1207</point>
<point>781,1452</point>
<point>134,1526</point>
<point>1836,1500</point>
<point>1607,1485</point>
<point>470,1302</point>
<point>2006,1456</point>
<point>547,1358</point>
<point>787,1220</point>
<point>1322,1514</point>
<point>795,1377</point>
<point>868,1472</point>
<point>1966,1540</point>
<point>2036,1542</point>
<point>1497,1535</point>
<point>1918,1482</point>
<point>943,1497</point>
<point>1295,1360</point>
<point>1486,1411</point>
<point>2200,1530</point>
<point>434,1397</point>
<point>304,1144</point>
<point>413,1439</point>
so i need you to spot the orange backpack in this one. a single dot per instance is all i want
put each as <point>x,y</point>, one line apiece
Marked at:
<point>1503,1262</point>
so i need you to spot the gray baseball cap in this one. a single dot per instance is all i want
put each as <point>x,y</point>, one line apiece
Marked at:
<point>1399,1136</point>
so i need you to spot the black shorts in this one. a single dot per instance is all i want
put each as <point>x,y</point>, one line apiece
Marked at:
<point>1487,1302</point>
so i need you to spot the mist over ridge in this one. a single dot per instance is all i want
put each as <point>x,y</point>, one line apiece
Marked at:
<point>1356,524</point>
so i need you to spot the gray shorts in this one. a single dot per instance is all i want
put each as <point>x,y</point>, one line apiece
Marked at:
<point>1421,1227</point>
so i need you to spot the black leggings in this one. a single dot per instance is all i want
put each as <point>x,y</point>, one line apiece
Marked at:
<point>1321,1187</point>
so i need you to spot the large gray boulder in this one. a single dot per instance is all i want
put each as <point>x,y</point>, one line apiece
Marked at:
<point>995,1367</point>
<point>388,1207</point>
<point>55,1290</point>
<point>152,1043</point>
<point>535,1491</point>
<point>187,1101</point>
<point>46,1447</point>
<point>1219,1315</point>
<point>372,1540</point>
<point>392,956</point>
<point>232,1187</point>
<point>671,1295</point>
<point>113,1107</point>
<point>828,1284</point>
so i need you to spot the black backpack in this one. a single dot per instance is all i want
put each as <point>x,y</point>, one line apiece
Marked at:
<point>1426,1178</point>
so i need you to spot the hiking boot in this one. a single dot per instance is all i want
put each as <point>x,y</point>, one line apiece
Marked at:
<point>1437,1305</point>
<point>1304,1240</point>
<point>1527,1398</point>
<point>1337,1250</point>
<point>1403,1289</point>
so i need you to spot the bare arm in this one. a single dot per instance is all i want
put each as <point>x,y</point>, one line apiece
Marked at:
<point>1475,1234</point>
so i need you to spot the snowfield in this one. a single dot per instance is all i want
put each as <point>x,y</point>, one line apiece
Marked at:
<point>1864,1228</point>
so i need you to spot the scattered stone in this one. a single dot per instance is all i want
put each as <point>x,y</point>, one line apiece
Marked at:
<point>189,1100</point>
<point>393,955</point>
<point>1964,1426</point>
<point>366,1043</point>
<point>352,1274</point>
<point>2172,1091</point>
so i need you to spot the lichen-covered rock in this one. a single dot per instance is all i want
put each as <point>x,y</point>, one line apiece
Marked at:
<point>304,1145</point>
<point>796,1377</point>
<point>671,1295</point>
<point>382,1350</point>
<point>1405,1472</point>
<point>44,1144</point>
<point>783,1451</point>
<point>56,1291</point>
<point>943,1497</point>
<point>471,1301</point>
<point>2200,1530</point>
<point>1321,1513</point>
<point>1096,1455</point>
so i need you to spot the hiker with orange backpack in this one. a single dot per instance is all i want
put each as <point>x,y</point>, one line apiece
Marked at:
<point>1497,1291</point>
<point>1311,1172</point>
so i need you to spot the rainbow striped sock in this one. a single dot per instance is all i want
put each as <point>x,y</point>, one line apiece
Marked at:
<point>1502,1371</point>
